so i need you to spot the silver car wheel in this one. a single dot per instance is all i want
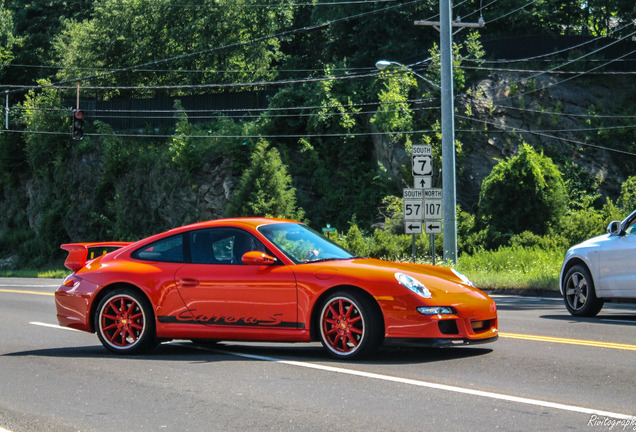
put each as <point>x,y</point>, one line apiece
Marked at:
<point>578,293</point>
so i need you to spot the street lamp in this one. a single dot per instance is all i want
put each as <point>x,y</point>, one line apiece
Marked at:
<point>449,198</point>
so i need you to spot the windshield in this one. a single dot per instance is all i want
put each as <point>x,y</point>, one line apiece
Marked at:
<point>302,244</point>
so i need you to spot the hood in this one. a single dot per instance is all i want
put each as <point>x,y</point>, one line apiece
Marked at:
<point>594,242</point>
<point>371,269</point>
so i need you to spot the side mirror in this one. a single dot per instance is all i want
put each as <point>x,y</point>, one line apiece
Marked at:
<point>614,228</point>
<point>257,258</point>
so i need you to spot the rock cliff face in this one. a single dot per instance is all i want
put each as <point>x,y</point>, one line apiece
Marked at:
<point>552,114</point>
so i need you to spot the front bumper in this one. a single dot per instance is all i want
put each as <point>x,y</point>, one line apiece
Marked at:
<point>436,342</point>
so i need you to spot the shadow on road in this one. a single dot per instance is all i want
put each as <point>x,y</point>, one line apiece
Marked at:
<point>605,319</point>
<point>187,351</point>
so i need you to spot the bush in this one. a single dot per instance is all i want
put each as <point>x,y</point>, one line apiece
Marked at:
<point>523,193</point>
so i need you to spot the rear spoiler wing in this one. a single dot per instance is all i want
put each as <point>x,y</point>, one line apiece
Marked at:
<point>78,252</point>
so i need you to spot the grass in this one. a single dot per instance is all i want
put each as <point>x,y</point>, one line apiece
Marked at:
<point>26,273</point>
<point>513,268</point>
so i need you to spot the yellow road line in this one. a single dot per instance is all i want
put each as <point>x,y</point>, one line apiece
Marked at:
<point>595,344</point>
<point>26,292</point>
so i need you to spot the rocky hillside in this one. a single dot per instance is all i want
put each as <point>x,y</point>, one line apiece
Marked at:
<point>585,126</point>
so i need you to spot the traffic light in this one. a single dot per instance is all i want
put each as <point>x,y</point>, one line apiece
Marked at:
<point>78,124</point>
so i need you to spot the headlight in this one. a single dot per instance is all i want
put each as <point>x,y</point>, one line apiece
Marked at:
<point>463,278</point>
<point>414,285</point>
<point>436,310</point>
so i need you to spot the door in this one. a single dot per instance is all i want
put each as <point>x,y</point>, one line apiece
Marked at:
<point>219,290</point>
<point>617,265</point>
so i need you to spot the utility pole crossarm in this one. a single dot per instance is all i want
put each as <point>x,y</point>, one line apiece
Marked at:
<point>481,23</point>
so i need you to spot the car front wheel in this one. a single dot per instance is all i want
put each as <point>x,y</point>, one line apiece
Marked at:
<point>579,294</point>
<point>350,325</point>
<point>124,322</point>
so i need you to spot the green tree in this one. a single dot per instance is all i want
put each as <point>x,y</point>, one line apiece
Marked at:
<point>523,193</point>
<point>265,188</point>
<point>627,198</point>
<point>35,23</point>
<point>394,113</point>
<point>331,164</point>
<point>7,37</point>
<point>43,112</point>
<point>222,40</point>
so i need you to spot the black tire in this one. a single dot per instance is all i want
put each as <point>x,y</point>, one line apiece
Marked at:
<point>350,325</point>
<point>125,323</point>
<point>579,294</point>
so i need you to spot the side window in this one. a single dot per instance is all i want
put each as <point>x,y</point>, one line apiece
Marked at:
<point>165,250</point>
<point>631,229</point>
<point>222,245</point>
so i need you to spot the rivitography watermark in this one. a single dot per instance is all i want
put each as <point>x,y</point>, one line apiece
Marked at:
<point>608,423</point>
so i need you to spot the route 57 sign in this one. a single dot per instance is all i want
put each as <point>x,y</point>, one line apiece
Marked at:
<point>413,210</point>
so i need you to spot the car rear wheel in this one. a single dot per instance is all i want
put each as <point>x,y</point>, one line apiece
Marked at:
<point>350,325</point>
<point>125,323</point>
<point>579,294</point>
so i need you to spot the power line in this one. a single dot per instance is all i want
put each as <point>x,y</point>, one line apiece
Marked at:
<point>564,64</point>
<point>321,135</point>
<point>125,3</point>
<point>555,72</point>
<point>236,44</point>
<point>508,129</point>
<point>553,113</point>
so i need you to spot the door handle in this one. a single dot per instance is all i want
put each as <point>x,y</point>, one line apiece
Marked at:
<point>188,283</point>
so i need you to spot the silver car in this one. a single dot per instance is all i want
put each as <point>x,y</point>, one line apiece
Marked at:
<point>601,269</point>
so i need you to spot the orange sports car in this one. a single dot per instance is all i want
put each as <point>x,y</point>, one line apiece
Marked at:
<point>258,279</point>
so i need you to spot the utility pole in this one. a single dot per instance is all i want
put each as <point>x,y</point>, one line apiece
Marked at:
<point>449,178</point>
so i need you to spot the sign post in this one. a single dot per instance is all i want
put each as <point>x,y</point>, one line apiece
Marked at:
<point>423,205</point>
<point>328,229</point>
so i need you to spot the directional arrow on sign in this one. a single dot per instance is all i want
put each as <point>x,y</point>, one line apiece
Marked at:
<point>433,227</point>
<point>413,227</point>
<point>422,182</point>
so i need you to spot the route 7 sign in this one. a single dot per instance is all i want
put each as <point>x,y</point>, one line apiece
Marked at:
<point>422,165</point>
<point>422,160</point>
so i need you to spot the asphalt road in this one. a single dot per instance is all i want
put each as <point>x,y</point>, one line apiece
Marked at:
<point>548,371</point>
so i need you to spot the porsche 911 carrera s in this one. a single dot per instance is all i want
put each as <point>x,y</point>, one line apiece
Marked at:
<point>259,279</point>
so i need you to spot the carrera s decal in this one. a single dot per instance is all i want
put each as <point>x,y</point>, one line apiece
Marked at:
<point>193,317</point>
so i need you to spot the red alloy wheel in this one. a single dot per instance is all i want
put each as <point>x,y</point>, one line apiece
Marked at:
<point>122,321</point>
<point>125,322</point>
<point>342,326</point>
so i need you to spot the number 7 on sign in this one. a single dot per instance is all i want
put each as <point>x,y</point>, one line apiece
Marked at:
<point>422,165</point>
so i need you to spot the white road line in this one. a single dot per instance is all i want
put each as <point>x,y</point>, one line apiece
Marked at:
<point>4,430</point>
<point>435,386</point>
<point>27,286</point>
<point>55,326</point>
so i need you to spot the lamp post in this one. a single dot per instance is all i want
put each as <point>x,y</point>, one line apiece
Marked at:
<point>449,198</point>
